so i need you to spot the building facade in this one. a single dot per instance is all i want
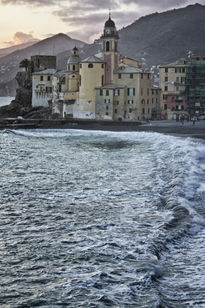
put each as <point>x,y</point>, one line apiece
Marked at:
<point>42,88</point>
<point>173,85</point>
<point>104,87</point>
<point>195,86</point>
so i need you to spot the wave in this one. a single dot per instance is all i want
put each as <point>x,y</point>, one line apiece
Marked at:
<point>174,172</point>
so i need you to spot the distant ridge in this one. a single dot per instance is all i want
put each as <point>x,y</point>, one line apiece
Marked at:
<point>8,50</point>
<point>158,38</point>
<point>9,64</point>
<point>161,38</point>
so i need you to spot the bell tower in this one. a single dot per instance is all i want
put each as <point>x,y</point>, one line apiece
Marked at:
<point>110,52</point>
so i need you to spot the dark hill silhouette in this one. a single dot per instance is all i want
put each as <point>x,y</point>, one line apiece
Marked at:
<point>165,37</point>
<point>159,38</point>
<point>9,65</point>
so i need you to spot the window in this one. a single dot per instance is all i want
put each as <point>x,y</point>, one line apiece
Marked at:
<point>115,110</point>
<point>102,80</point>
<point>166,69</point>
<point>107,92</point>
<point>152,100</point>
<point>164,97</point>
<point>102,65</point>
<point>116,92</point>
<point>80,65</point>
<point>183,80</point>
<point>90,65</point>
<point>130,110</point>
<point>165,106</point>
<point>143,110</point>
<point>107,113</point>
<point>101,92</point>
<point>107,100</point>
<point>119,76</point>
<point>41,78</point>
<point>148,76</point>
<point>177,79</point>
<point>166,79</point>
<point>165,88</point>
<point>49,78</point>
<point>107,107</point>
<point>147,91</point>
<point>130,102</point>
<point>73,67</point>
<point>131,76</point>
<point>107,46</point>
<point>131,91</point>
<point>141,75</point>
<point>48,89</point>
<point>147,101</point>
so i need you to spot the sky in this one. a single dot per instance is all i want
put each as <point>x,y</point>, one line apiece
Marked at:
<point>22,21</point>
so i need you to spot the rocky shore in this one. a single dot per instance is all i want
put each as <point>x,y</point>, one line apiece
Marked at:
<point>165,127</point>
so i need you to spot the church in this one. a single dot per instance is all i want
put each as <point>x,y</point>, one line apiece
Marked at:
<point>106,86</point>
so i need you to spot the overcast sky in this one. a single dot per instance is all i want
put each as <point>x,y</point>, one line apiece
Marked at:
<point>25,20</point>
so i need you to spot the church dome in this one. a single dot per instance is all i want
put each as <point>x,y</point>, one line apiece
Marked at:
<point>110,23</point>
<point>74,60</point>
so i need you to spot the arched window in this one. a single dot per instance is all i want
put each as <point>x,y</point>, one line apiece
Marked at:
<point>90,65</point>
<point>107,46</point>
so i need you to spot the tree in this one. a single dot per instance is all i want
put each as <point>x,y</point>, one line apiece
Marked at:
<point>25,63</point>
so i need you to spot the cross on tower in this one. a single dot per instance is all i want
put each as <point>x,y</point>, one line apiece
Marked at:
<point>110,13</point>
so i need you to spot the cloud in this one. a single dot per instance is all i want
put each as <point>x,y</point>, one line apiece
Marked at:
<point>85,20</point>
<point>21,38</point>
<point>28,2</point>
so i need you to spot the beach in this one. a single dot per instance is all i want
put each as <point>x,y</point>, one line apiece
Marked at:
<point>171,127</point>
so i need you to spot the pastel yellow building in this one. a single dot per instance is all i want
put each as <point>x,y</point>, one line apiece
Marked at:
<point>104,87</point>
<point>92,76</point>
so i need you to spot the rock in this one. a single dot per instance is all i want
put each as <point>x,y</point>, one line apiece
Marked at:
<point>38,113</point>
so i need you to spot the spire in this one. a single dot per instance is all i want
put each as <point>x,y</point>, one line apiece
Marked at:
<point>109,13</point>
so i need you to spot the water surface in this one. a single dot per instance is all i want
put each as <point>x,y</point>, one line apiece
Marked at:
<point>97,219</point>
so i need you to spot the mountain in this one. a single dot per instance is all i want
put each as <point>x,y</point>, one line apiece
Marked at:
<point>9,64</point>
<point>162,38</point>
<point>159,38</point>
<point>155,39</point>
<point>8,50</point>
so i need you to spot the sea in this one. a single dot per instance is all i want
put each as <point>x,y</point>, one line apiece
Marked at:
<point>5,100</point>
<point>101,219</point>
